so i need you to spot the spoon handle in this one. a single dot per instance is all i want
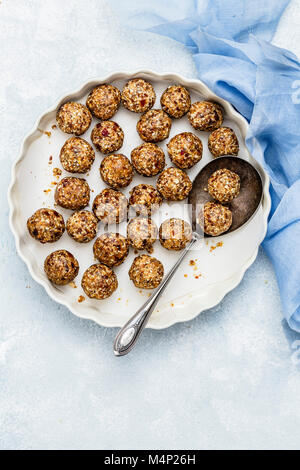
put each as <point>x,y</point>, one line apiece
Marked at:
<point>128,335</point>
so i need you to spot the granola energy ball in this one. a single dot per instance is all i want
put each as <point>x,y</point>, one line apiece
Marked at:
<point>116,171</point>
<point>145,199</point>
<point>223,141</point>
<point>61,267</point>
<point>174,184</point>
<point>138,95</point>
<point>46,225</point>
<point>110,206</point>
<point>206,116</point>
<point>73,118</point>
<point>111,249</point>
<point>146,272</point>
<point>148,159</point>
<point>142,233</point>
<point>103,101</point>
<point>224,185</point>
<point>107,136</point>
<point>82,226</point>
<point>99,282</point>
<point>185,150</point>
<point>72,193</point>
<point>154,126</point>
<point>215,219</point>
<point>77,155</point>
<point>175,234</point>
<point>176,101</point>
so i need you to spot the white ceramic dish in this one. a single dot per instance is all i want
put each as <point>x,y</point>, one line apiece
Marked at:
<point>220,262</point>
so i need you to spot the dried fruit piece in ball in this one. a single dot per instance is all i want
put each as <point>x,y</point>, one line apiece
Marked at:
<point>145,199</point>
<point>176,101</point>
<point>146,272</point>
<point>223,141</point>
<point>73,118</point>
<point>214,219</point>
<point>185,150</point>
<point>224,185</point>
<point>110,206</point>
<point>206,115</point>
<point>175,234</point>
<point>61,267</point>
<point>104,101</point>
<point>148,159</point>
<point>154,126</point>
<point>138,95</point>
<point>99,282</point>
<point>142,233</point>
<point>107,136</point>
<point>111,249</point>
<point>82,226</point>
<point>174,184</point>
<point>77,155</point>
<point>72,193</point>
<point>116,171</point>
<point>46,225</point>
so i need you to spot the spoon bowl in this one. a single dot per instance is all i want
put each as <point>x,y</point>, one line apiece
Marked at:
<point>244,205</point>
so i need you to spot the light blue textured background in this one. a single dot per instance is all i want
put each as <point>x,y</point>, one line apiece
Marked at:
<point>229,379</point>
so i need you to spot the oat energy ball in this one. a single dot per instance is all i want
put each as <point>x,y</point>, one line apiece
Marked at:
<point>103,101</point>
<point>185,150</point>
<point>73,118</point>
<point>146,272</point>
<point>224,185</point>
<point>138,95</point>
<point>107,136</point>
<point>176,101</point>
<point>174,184</point>
<point>175,234</point>
<point>223,141</point>
<point>214,219</point>
<point>61,267</point>
<point>111,249</point>
<point>99,282</point>
<point>116,171</point>
<point>110,206</point>
<point>148,159</point>
<point>77,155</point>
<point>142,233</point>
<point>82,226</point>
<point>206,116</point>
<point>46,225</point>
<point>154,126</point>
<point>145,199</point>
<point>72,193</point>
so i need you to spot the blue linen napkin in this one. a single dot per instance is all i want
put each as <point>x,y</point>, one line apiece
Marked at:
<point>229,43</point>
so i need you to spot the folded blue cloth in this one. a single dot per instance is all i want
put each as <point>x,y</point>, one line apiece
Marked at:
<point>229,43</point>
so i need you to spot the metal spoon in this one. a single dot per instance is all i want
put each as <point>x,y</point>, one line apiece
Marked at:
<point>242,207</point>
